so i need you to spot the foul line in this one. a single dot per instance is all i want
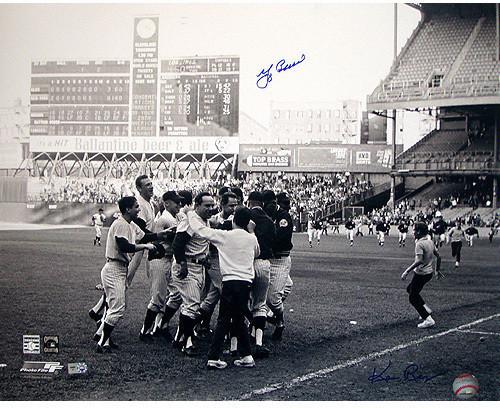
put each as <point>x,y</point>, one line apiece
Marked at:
<point>480,332</point>
<point>298,380</point>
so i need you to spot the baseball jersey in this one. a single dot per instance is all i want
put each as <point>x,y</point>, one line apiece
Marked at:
<point>349,225</point>
<point>121,229</point>
<point>265,231</point>
<point>197,246</point>
<point>425,248</point>
<point>471,231</point>
<point>284,231</point>
<point>147,212</point>
<point>99,219</point>
<point>164,221</point>
<point>439,227</point>
<point>403,227</point>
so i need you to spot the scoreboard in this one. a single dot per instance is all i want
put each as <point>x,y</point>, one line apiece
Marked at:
<point>79,98</point>
<point>199,96</point>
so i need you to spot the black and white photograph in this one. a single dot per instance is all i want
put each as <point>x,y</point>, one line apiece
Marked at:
<point>250,201</point>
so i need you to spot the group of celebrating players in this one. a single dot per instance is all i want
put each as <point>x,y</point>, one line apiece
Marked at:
<point>215,250</point>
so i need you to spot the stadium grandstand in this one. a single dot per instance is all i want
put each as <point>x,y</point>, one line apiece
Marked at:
<point>449,67</point>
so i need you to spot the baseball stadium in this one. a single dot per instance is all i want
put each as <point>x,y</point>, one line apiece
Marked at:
<point>340,314</point>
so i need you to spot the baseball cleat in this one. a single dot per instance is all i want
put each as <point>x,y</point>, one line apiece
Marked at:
<point>96,337</point>
<point>429,322</point>
<point>99,286</point>
<point>457,264</point>
<point>261,352</point>
<point>103,349</point>
<point>247,362</point>
<point>190,351</point>
<point>176,344</point>
<point>94,316</point>
<point>216,364</point>
<point>146,338</point>
<point>278,333</point>
<point>113,345</point>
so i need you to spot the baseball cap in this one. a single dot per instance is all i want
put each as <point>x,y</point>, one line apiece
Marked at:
<point>172,195</point>
<point>238,192</point>
<point>438,214</point>
<point>255,196</point>
<point>224,189</point>
<point>283,196</point>
<point>268,195</point>
<point>187,197</point>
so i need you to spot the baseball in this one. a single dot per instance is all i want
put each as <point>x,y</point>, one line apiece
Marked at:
<point>465,386</point>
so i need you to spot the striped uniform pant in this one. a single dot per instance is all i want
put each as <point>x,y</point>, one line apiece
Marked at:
<point>136,262</point>
<point>113,276</point>
<point>280,272</point>
<point>189,288</point>
<point>98,231</point>
<point>161,273</point>
<point>214,284</point>
<point>350,234</point>
<point>288,288</point>
<point>260,287</point>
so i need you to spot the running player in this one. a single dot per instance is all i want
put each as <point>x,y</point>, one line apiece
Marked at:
<point>98,220</point>
<point>349,228</point>
<point>456,235</point>
<point>317,231</point>
<point>382,230</point>
<point>403,230</point>
<point>310,229</point>
<point>470,233</point>
<point>423,271</point>
<point>438,229</point>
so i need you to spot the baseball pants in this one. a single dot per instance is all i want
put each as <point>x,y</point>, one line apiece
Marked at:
<point>260,287</point>
<point>414,288</point>
<point>381,237</point>
<point>469,239</point>
<point>98,231</point>
<point>233,307</point>
<point>402,236</point>
<point>214,288</point>
<point>160,270</point>
<point>350,235</point>
<point>190,288</point>
<point>280,272</point>
<point>113,276</point>
<point>456,248</point>
<point>288,288</point>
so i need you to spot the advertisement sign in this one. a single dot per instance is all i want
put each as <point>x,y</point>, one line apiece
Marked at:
<point>200,145</point>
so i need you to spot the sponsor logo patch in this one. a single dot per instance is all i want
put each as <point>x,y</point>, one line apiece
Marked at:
<point>51,344</point>
<point>40,369</point>
<point>77,368</point>
<point>31,344</point>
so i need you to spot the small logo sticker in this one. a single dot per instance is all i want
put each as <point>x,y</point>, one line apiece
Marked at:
<point>51,344</point>
<point>40,369</point>
<point>31,344</point>
<point>77,368</point>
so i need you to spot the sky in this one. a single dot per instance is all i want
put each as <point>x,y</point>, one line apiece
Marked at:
<point>348,47</point>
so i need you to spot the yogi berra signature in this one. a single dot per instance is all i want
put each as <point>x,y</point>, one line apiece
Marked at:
<point>265,76</point>
<point>410,374</point>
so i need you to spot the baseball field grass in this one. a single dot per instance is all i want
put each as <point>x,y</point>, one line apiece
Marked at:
<point>347,318</point>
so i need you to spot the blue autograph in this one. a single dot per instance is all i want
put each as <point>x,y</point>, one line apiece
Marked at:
<point>265,76</point>
<point>410,374</point>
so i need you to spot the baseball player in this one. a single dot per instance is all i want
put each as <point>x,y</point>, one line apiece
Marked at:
<point>382,229</point>
<point>317,231</point>
<point>349,228</point>
<point>119,245</point>
<point>281,264</point>
<point>144,187</point>
<point>265,232</point>
<point>237,250</point>
<point>160,269</point>
<point>403,230</point>
<point>336,226</point>
<point>470,233</point>
<point>456,235</point>
<point>98,220</point>
<point>424,270</point>
<point>221,220</point>
<point>310,229</point>
<point>438,229</point>
<point>188,272</point>
<point>359,225</point>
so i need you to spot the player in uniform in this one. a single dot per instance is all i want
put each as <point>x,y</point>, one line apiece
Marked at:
<point>160,269</point>
<point>456,235</point>
<point>424,270</point>
<point>317,231</point>
<point>222,220</point>
<point>382,230</point>
<point>119,245</point>
<point>310,229</point>
<point>98,220</point>
<point>265,232</point>
<point>470,232</point>
<point>188,272</point>
<point>438,229</point>
<point>349,228</point>
<point>403,230</point>
<point>281,264</point>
